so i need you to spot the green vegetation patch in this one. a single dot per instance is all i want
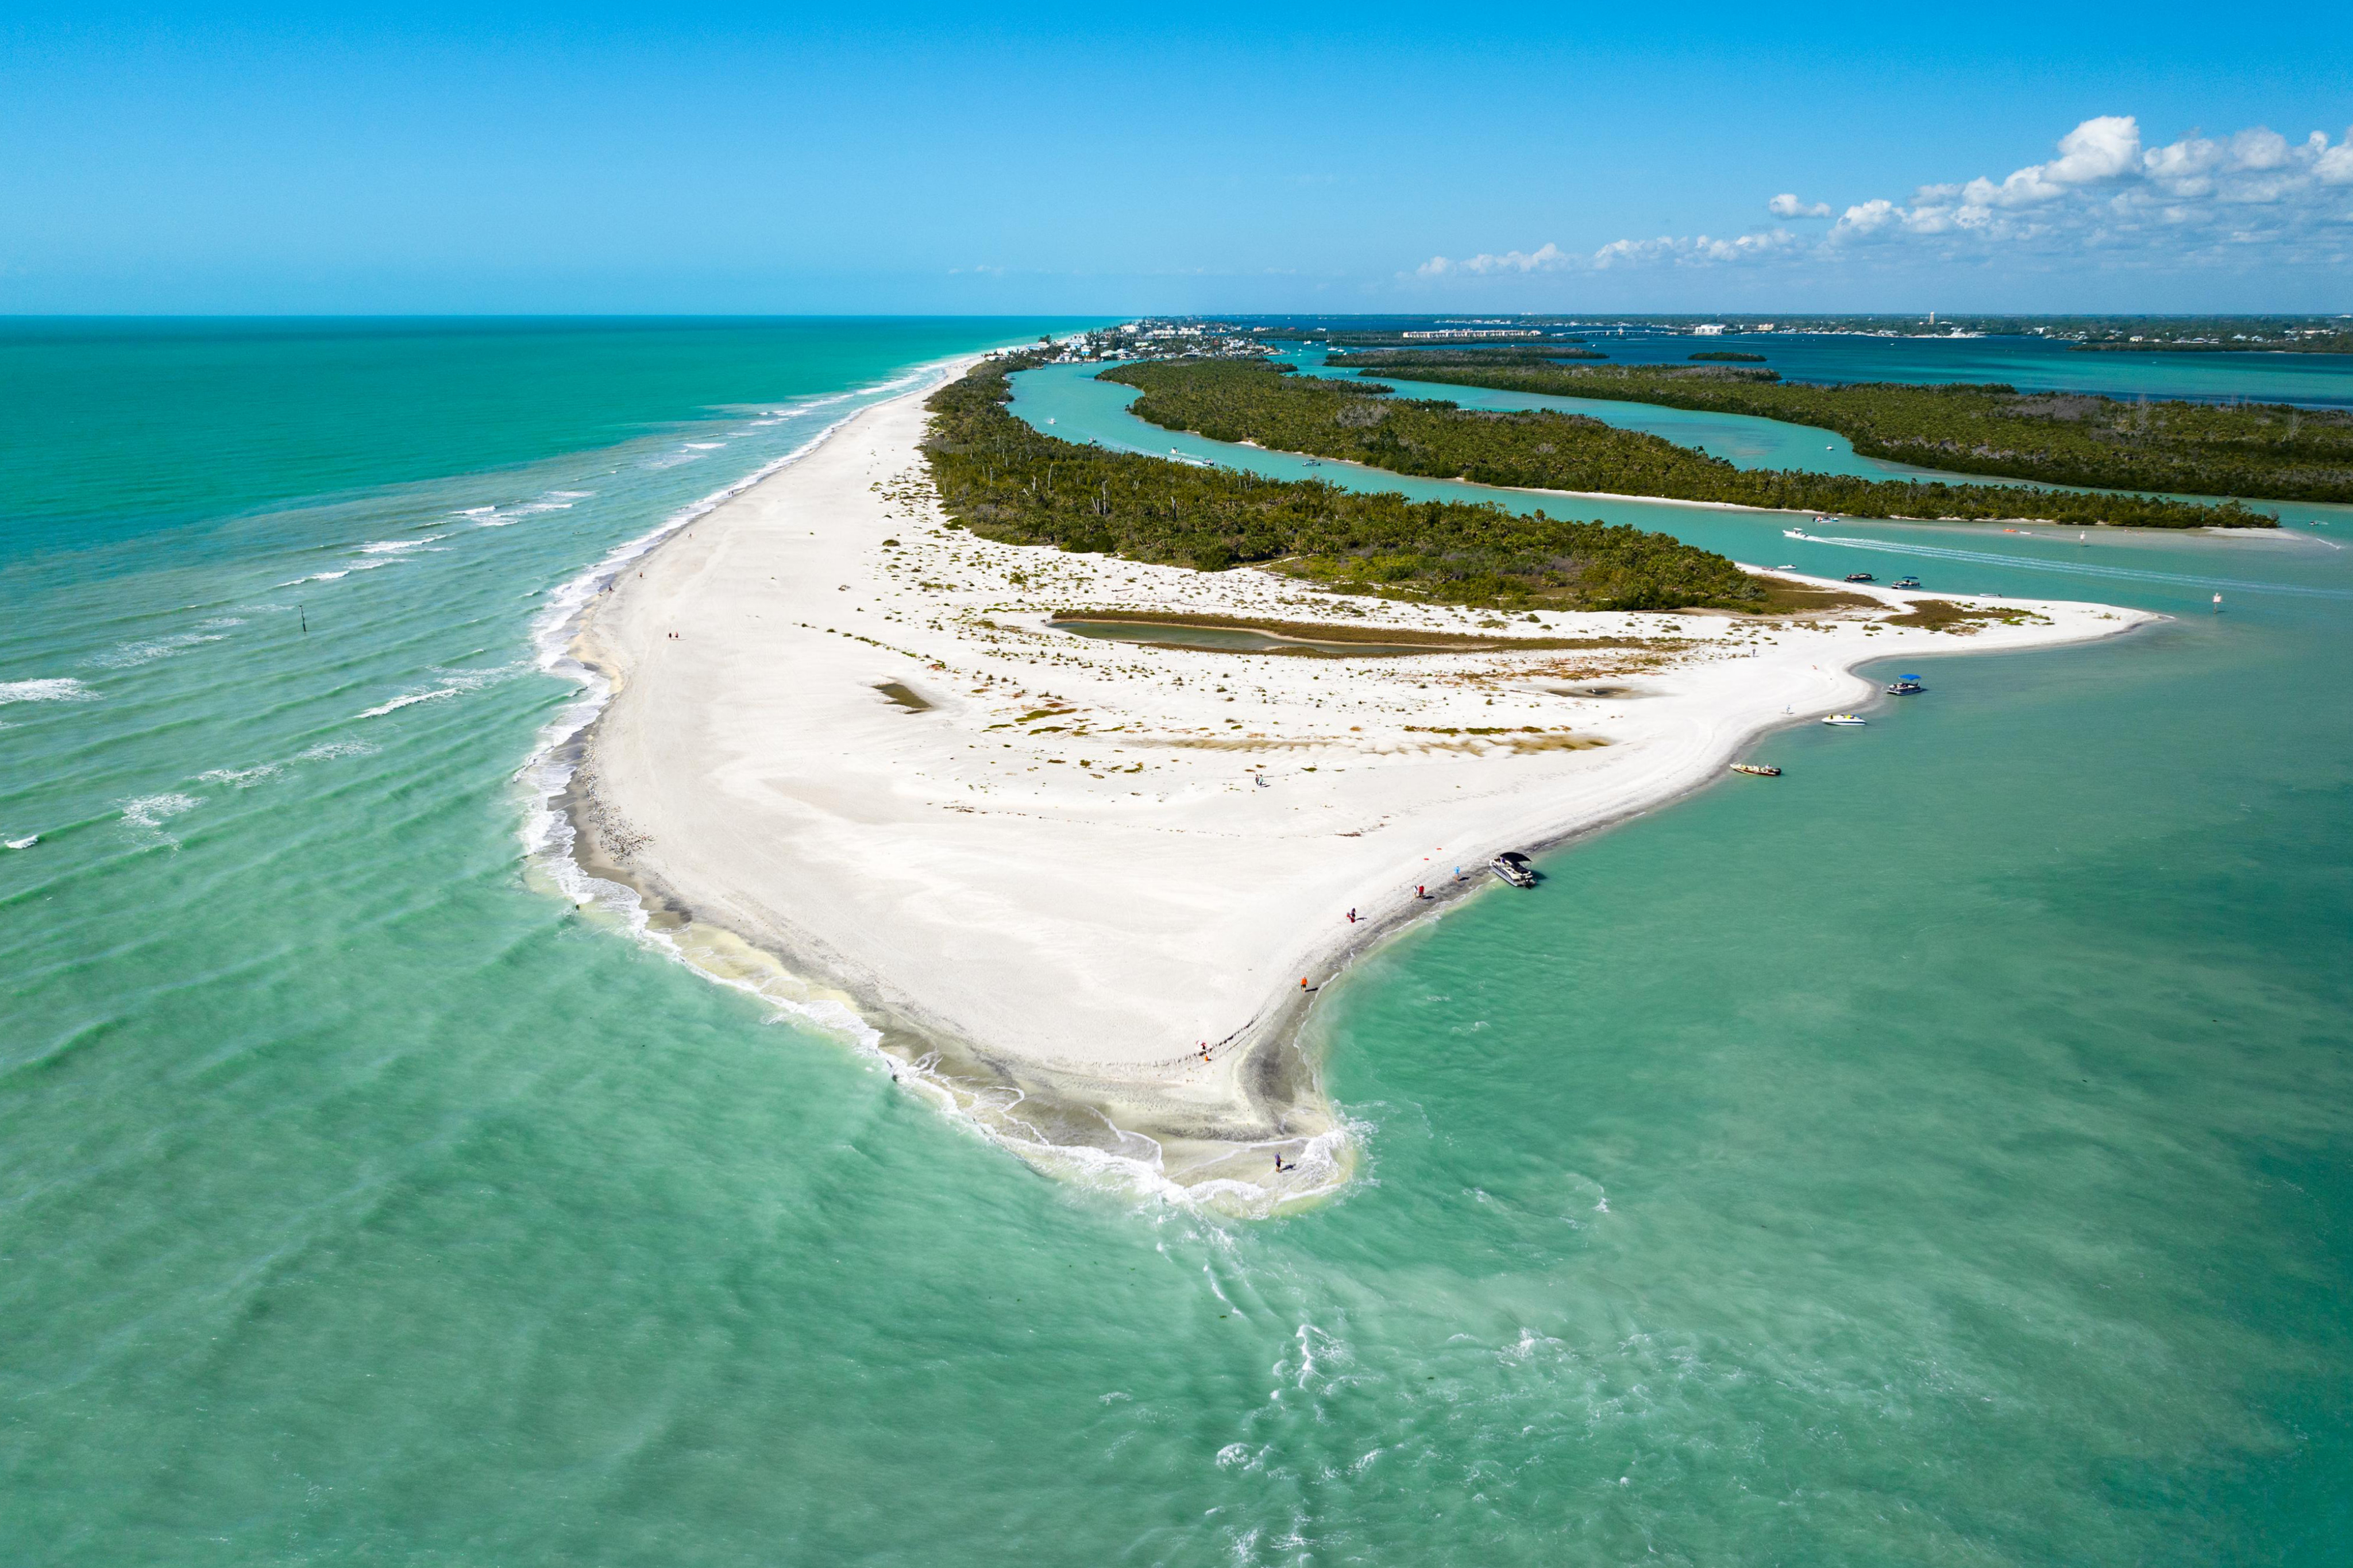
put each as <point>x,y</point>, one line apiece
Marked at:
<point>1944,616</point>
<point>1006,480</point>
<point>1325,632</point>
<point>1730,356</point>
<point>2263,449</point>
<point>1248,401</point>
<point>1785,597</point>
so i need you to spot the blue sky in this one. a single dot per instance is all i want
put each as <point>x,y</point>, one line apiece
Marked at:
<point>1123,159</point>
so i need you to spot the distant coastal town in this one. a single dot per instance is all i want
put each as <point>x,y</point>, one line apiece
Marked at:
<point>2151,334</point>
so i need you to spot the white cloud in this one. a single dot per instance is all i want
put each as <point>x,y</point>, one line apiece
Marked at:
<point>1617,253</point>
<point>2191,201</point>
<point>1543,258</point>
<point>2098,149</point>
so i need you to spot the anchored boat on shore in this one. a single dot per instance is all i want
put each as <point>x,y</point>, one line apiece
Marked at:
<point>1844,719</point>
<point>1904,686</point>
<point>1761,769</point>
<point>1513,867</point>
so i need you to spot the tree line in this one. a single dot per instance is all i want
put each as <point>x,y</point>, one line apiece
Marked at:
<point>1545,450</point>
<point>2260,449</point>
<point>1007,481</point>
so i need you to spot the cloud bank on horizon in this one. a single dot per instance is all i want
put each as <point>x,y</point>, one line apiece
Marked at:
<point>2106,196</point>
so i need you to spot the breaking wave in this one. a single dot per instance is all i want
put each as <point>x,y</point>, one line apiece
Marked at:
<point>60,689</point>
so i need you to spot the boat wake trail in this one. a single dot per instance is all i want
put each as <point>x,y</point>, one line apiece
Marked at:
<point>2078,569</point>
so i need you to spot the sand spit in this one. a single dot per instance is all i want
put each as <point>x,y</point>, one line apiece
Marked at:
<point>1072,886</point>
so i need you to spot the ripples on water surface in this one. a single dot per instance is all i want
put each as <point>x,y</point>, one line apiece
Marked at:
<point>1936,1155</point>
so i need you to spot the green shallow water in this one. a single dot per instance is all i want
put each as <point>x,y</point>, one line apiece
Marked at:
<point>1937,1154</point>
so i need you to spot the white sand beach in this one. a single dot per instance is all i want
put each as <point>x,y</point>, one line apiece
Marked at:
<point>1051,868</point>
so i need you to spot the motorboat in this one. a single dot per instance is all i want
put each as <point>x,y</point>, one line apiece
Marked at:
<point>1844,720</point>
<point>1793,533</point>
<point>1513,867</point>
<point>1904,686</point>
<point>1906,583</point>
<point>1759,770</point>
<point>1861,577</point>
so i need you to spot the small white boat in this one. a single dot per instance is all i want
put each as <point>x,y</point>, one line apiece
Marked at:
<point>1793,533</point>
<point>1844,719</point>
<point>24,843</point>
<point>1512,867</point>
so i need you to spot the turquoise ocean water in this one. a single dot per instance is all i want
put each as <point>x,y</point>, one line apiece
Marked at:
<point>1939,1154</point>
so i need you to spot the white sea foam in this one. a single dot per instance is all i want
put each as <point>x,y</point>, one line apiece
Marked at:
<point>56,689</point>
<point>327,751</point>
<point>671,459</point>
<point>243,778</point>
<point>317,577</point>
<point>131,655</point>
<point>507,516</point>
<point>392,546</point>
<point>454,683</point>
<point>704,446</point>
<point>144,815</point>
<point>410,700</point>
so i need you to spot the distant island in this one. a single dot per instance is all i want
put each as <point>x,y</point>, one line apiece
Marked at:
<point>2266,450</point>
<point>1250,401</point>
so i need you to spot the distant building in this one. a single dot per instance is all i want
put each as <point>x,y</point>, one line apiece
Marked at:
<point>1708,330</point>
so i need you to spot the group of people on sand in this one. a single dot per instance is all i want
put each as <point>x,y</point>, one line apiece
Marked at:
<point>1421,891</point>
